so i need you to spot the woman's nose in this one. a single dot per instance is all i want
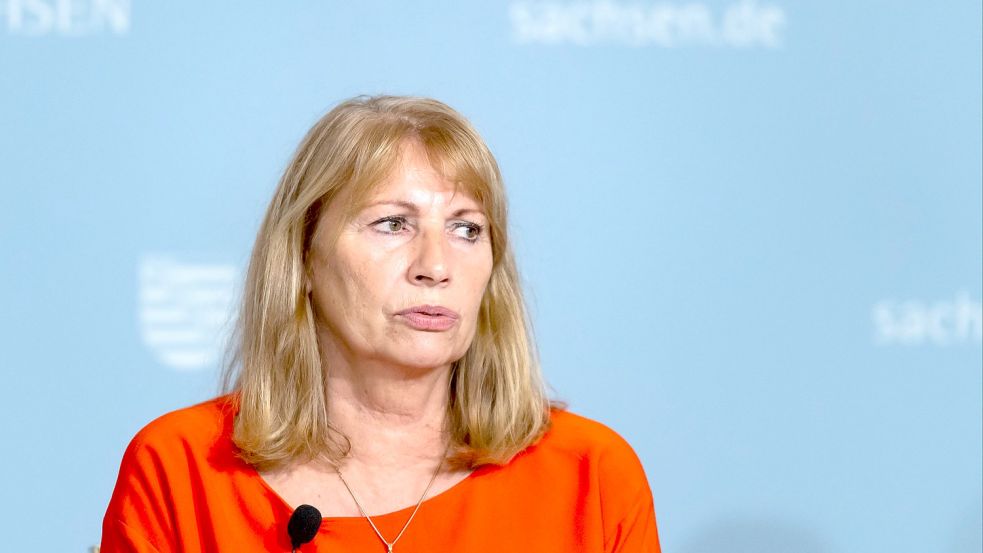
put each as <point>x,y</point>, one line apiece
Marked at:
<point>430,262</point>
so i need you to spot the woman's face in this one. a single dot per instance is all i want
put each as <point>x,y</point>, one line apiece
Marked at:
<point>403,283</point>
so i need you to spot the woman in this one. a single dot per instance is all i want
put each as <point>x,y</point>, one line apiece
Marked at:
<point>383,373</point>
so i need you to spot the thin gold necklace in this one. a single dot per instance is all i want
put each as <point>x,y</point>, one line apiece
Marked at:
<point>389,545</point>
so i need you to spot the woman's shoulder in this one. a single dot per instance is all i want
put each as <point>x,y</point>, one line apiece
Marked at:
<point>191,428</point>
<point>182,458</point>
<point>588,465</point>
<point>580,436</point>
<point>579,445</point>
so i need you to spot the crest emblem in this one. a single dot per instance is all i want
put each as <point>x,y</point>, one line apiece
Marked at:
<point>185,310</point>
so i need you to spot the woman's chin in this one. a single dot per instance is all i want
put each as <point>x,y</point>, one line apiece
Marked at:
<point>427,352</point>
<point>423,365</point>
<point>422,361</point>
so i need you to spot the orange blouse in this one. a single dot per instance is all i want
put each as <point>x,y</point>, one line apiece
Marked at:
<point>182,488</point>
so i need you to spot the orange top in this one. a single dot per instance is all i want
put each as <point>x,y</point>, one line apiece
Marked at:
<point>182,488</point>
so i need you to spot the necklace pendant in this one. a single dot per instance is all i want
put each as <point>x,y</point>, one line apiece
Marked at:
<point>389,546</point>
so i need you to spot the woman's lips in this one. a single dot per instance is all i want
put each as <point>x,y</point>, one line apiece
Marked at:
<point>429,317</point>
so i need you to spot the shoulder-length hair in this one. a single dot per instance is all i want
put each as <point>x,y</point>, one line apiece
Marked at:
<point>498,403</point>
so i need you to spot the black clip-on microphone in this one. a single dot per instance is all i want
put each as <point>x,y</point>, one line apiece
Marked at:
<point>303,525</point>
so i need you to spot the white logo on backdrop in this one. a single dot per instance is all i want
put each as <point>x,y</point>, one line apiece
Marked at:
<point>65,17</point>
<point>186,310</point>
<point>941,323</point>
<point>744,24</point>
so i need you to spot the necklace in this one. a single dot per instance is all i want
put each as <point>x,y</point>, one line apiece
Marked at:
<point>389,545</point>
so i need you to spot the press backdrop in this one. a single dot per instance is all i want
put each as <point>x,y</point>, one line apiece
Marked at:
<point>749,231</point>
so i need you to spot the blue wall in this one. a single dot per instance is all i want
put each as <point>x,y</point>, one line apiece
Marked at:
<point>750,233</point>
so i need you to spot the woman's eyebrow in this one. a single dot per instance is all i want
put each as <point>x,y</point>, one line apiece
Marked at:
<point>410,206</point>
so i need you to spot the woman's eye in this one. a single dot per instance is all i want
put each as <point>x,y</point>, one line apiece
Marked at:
<point>471,231</point>
<point>390,225</point>
<point>394,225</point>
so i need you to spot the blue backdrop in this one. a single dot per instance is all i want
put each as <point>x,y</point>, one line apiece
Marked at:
<point>750,234</point>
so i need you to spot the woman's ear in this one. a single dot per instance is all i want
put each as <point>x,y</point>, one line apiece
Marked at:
<point>307,281</point>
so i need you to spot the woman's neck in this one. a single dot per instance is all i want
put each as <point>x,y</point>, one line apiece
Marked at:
<point>393,416</point>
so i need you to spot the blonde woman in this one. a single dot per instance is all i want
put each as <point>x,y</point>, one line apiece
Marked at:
<point>383,376</point>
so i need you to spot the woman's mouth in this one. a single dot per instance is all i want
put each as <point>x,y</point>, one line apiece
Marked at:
<point>429,317</point>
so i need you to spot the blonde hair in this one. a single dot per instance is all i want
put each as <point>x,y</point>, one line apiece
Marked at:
<point>498,404</point>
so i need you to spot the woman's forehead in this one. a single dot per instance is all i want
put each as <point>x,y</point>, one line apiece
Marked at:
<point>415,178</point>
<point>422,199</point>
<point>418,187</point>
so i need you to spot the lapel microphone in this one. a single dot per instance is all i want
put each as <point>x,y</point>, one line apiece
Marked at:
<point>303,525</point>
